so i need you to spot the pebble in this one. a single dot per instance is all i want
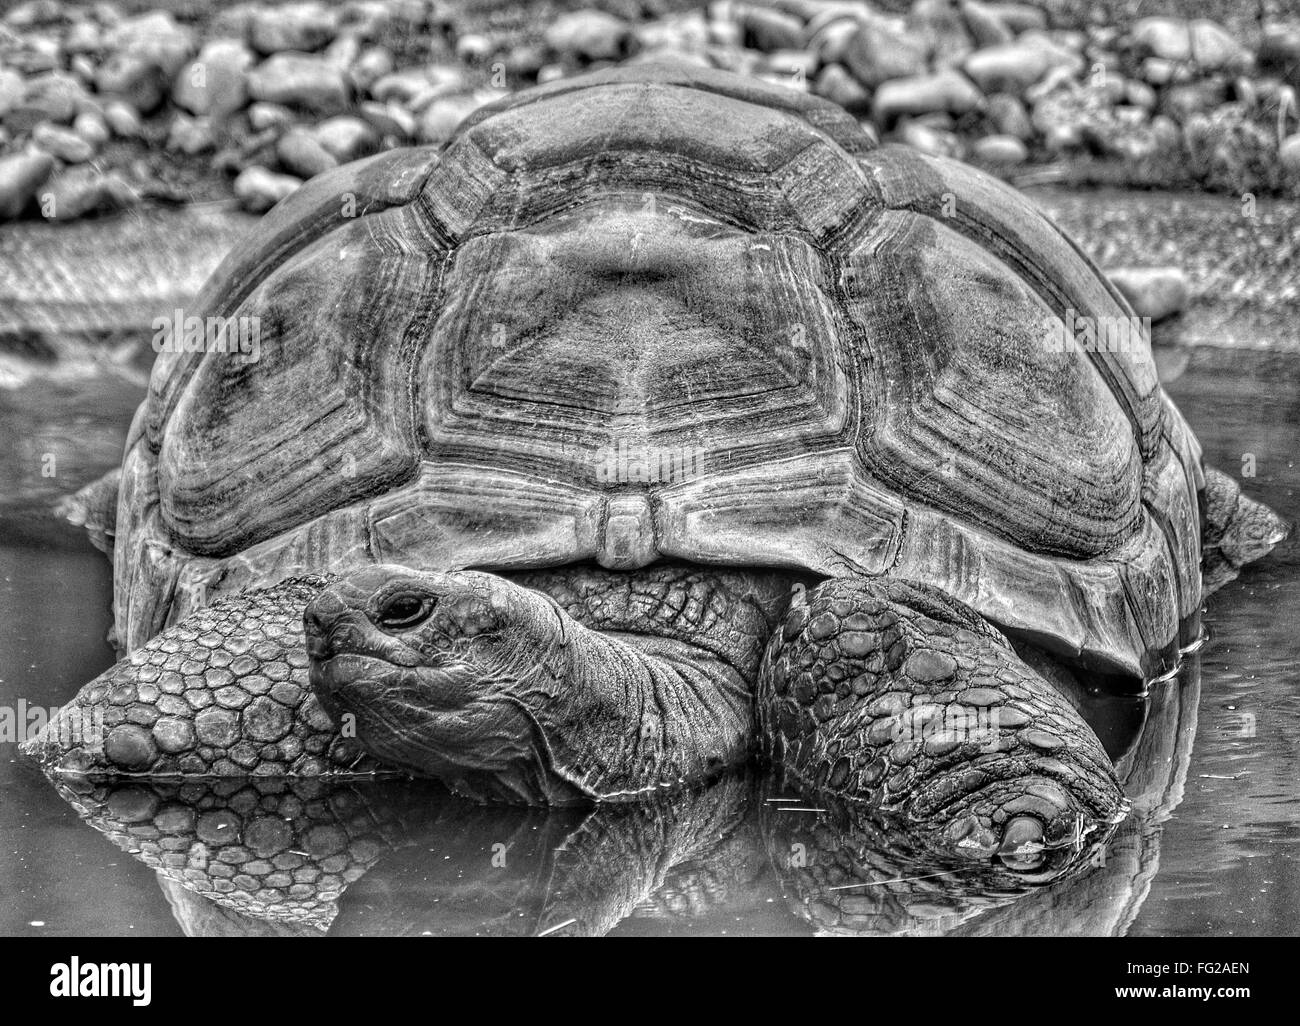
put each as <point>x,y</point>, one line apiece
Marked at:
<point>837,85</point>
<point>21,176</point>
<point>1011,68</point>
<point>1155,292</point>
<point>302,155</point>
<point>588,34</point>
<point>259,189</point>
<point>947,91</point>
<point>1002,150</point>
<point>215,81</point>
<point>79,191</point>
<point>877,53</point>
<point>767,29</point>
<point>300,80</point>
<point>346,137</point>
<point>440,118</point>
<point>293,26</point>
<point>63,143</point>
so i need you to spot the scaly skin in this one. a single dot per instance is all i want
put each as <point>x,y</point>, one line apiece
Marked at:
<point>492,687</point>
<point>496,687</point>
<point>224,693</point>
<point>895,695</point>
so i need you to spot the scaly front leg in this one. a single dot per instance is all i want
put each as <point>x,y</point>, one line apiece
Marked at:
<point>894,694</point>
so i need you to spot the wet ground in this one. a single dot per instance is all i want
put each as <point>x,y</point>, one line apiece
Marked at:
<point>1213,847</point>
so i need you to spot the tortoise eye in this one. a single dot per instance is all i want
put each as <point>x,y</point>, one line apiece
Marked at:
<point>404,610</point>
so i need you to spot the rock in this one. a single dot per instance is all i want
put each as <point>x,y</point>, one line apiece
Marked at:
<point>940,22</point>
<point>838,86</point>
<point>300,80</point>
<point>63,143</point>
<point>687,32</point>
<point>188,135</point>
<point>92,127</point>
<point>215,81</point>
<point>33,13</point>
<point>1289,154</point>
<point>51,96</point>
<point>20,177</point>
<point>294,26</point>
<point>1008,116</point>
<point>79,191</point>
<point>134,80</point>
<point>1019,17</point>
<point>1155,292</point>
<point>1207,44</point>
<point>346,138</point>
<point>263,116</point>
<point>83,36</point>
<point>156,39</point>
<point>416,88</point>
<point>766,29</point>
<point>789,66</point>
<point>369,19</point>
<point>1279,52</point>
<point>12,90</point>
<point>984,25</point>
<point>878,53</point>
<point>438,120</point>
<point>934,141</point>
<point>1002,150</point>
<point>258,189</point>
<point>372,64</point>
<point>300,153</point>
<point>948,91</point>
<point>1011,68</point>
<point>388,119</point>
<point>1139,94</point>
<point>475,48</point>
<point>1180,102</point>
<point>122,119</point>
<point>588,34</point>
<point>344,51</point>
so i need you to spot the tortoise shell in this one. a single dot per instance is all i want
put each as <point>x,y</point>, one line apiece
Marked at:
<point>666,312</point>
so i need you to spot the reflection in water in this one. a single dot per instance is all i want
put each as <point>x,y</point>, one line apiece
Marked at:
<point>311,857</point>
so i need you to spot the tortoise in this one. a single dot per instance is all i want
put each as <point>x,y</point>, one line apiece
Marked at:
<point>660,419</point>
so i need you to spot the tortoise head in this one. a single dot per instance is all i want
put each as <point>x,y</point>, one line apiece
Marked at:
<point>432,672</point>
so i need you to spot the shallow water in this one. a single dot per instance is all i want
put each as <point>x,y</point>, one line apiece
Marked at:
<point>1212,848</point>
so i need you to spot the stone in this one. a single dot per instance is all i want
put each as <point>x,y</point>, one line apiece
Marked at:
<point>259,189</point>
<point>1206,43</point>
<point>51,96</point>
<point>122,119</point>
<point>1019,17</point>
<point>440,118</point>
<point>1289,154</point>
<point>63,143</point>
<point>948,91</point>
<point>300,80</point>
<point>1155,292</point>
<point>371,65</point>
<point>21,175</point>
<point>1008,116</point>
<point>132,79</point>
<point>300,153</point>
<point>587,34</point>
<point>188,135</point>
<point>388,119</point>
<point>766,29</point>
<point>984,24</point>
<point>83,190</point>
<point>1001,150</point>
<point>12,90</point>
<point>264,116</point>
<point>1278,54</point>
<point>877,53</point>
<point>293,26</point>
<point>215,81</point>
<point>92,127</point>
<point>837,85</point>
<point>346,137</point>
<point>940,22</point>
<point>935,141</point>
<point>1010,68</point>
<point>83,36</point>
<point>154,38</point>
